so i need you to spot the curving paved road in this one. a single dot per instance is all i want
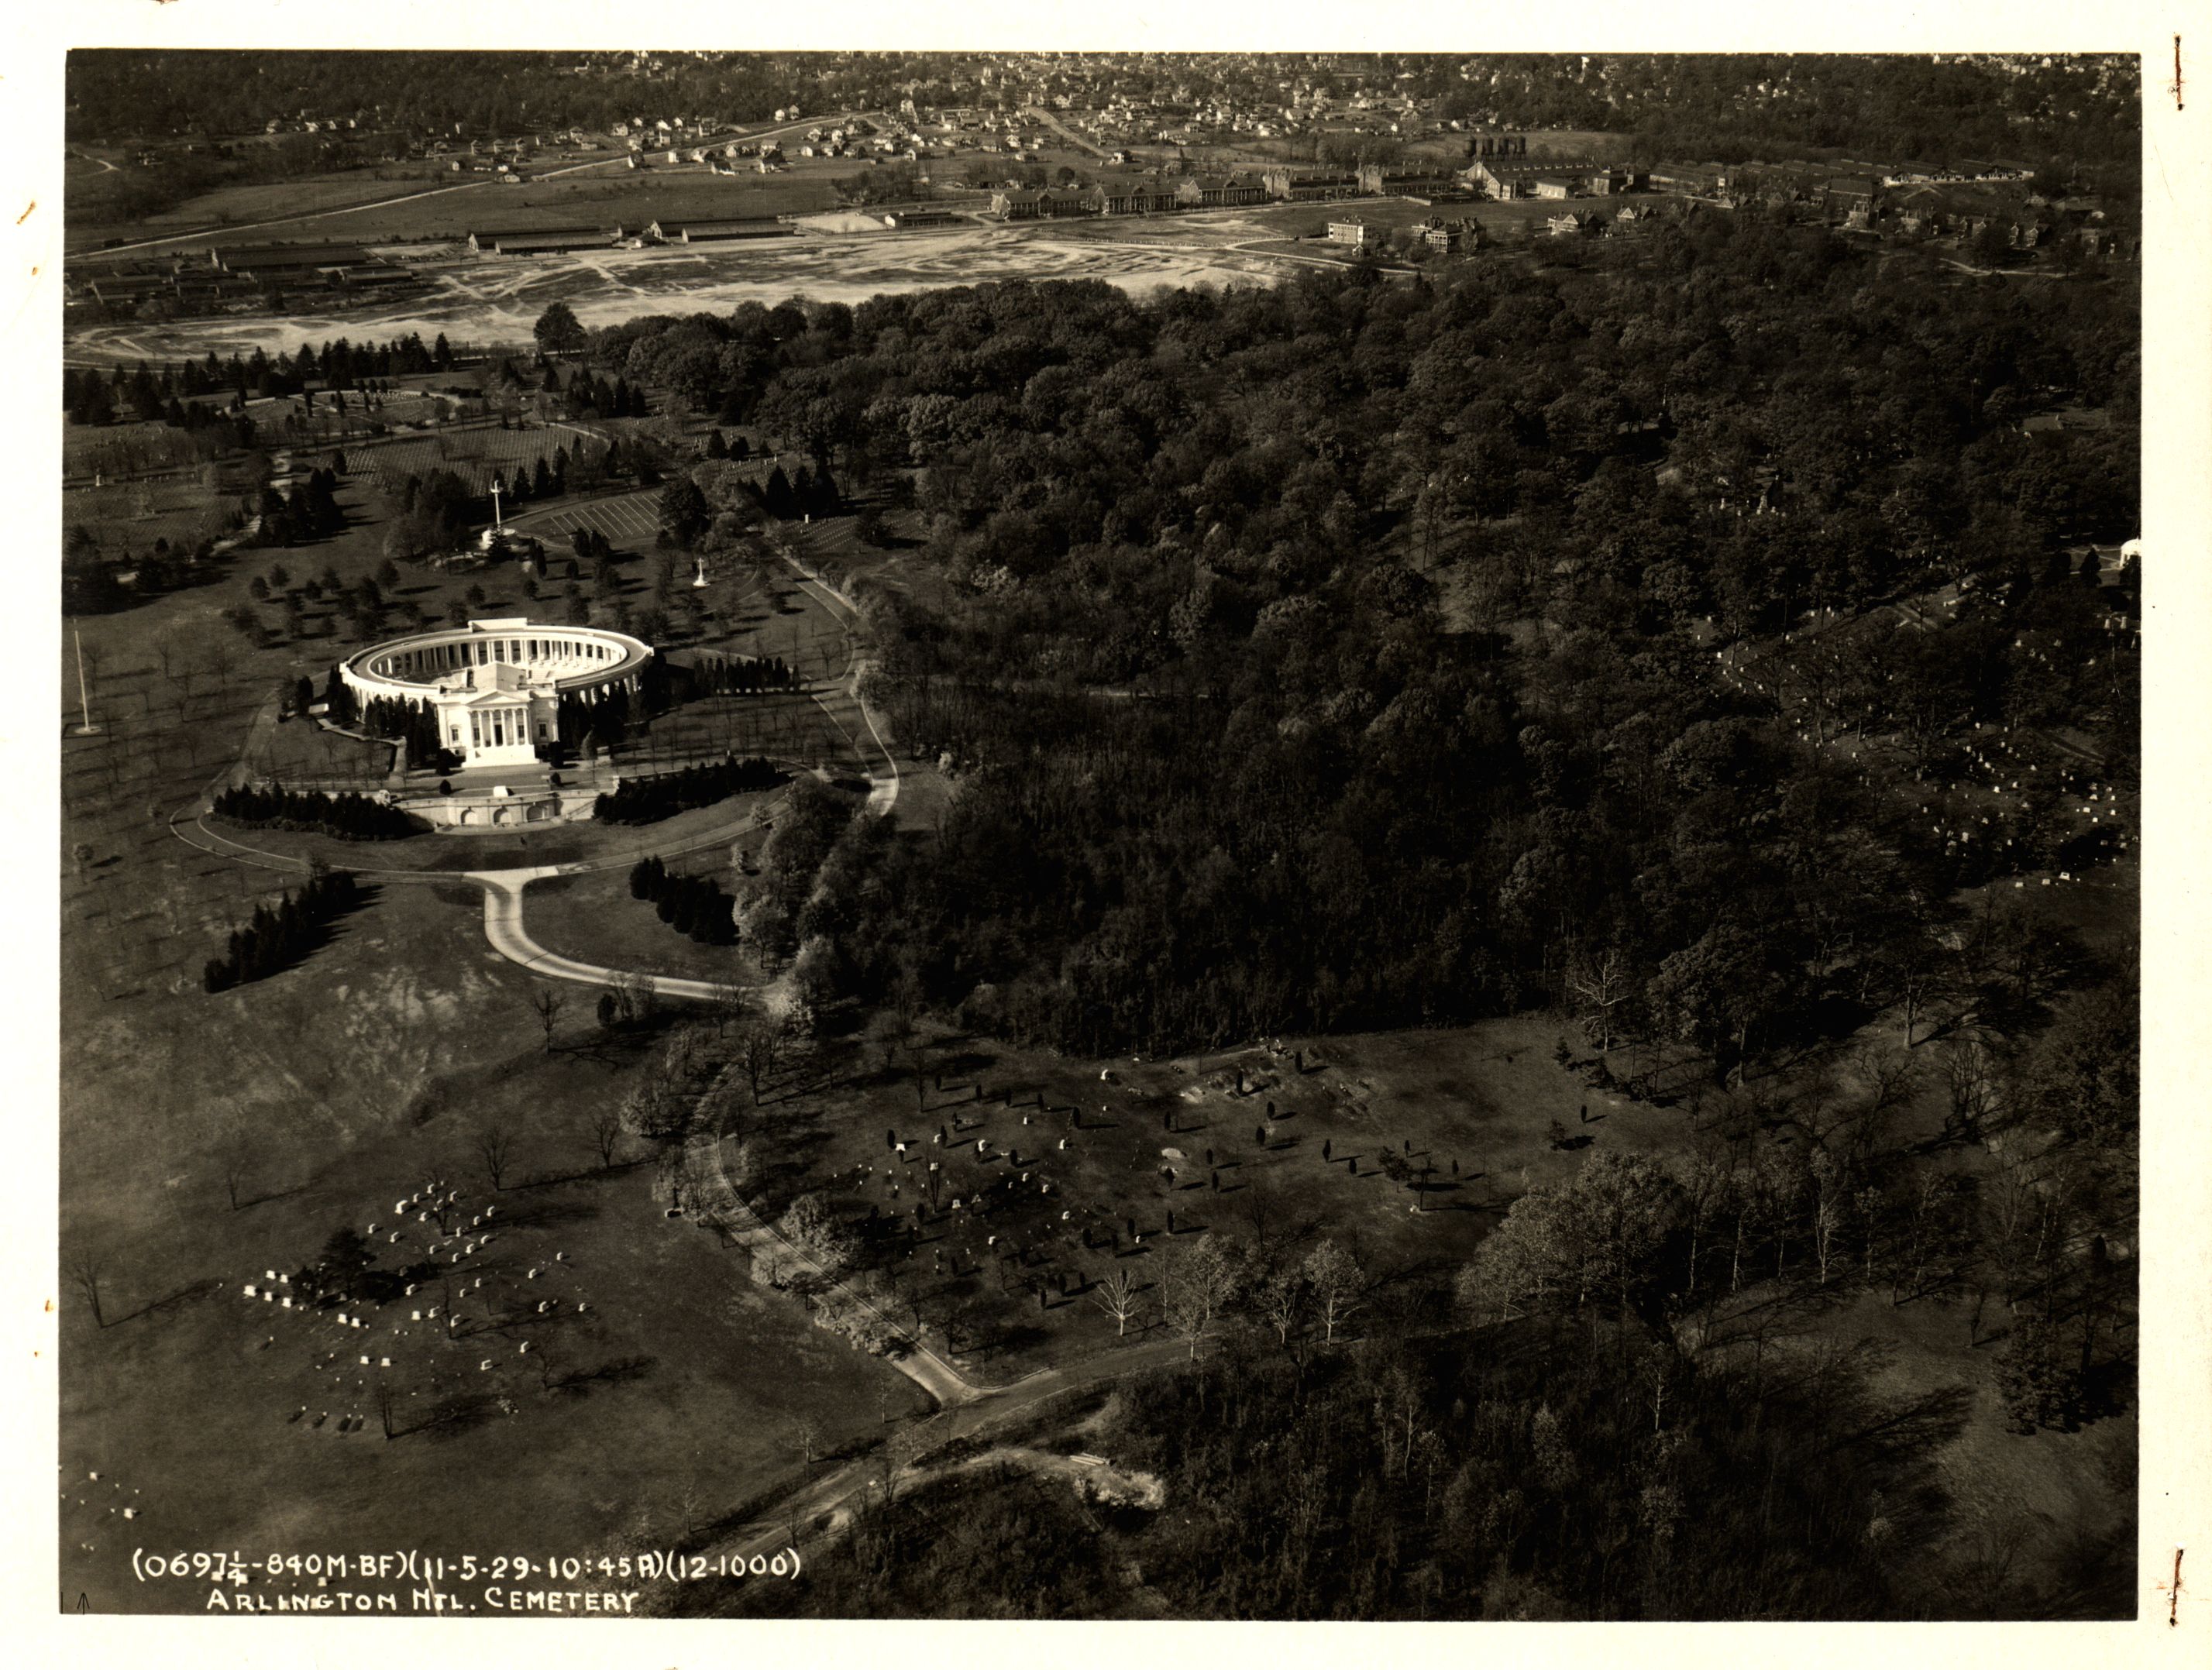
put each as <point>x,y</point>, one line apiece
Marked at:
<point>503,928</point>
<point>883,795</point>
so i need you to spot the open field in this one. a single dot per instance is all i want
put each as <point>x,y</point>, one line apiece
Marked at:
<point>602,1437</point>
<point>89,225</point>
<point>402,202</point>
<point>633,198</point>
<point>501,300</point>
<point>592,919</point>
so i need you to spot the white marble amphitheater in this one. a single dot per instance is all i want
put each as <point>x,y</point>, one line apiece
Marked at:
<point>496,684</point>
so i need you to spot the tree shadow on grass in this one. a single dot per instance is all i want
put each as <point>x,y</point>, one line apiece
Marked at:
<point>543,1212</point>
<point>458,1415</point>
<point>616,1371</point>
<point>197,1289</point>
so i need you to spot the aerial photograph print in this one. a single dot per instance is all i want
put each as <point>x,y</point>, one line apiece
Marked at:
<point>980,835</point>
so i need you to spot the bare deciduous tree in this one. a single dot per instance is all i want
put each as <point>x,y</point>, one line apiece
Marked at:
<point>547,1004</point>
<point>1336,1279</point>
<point>1195,1284</point>
<point>1970,1077</point>
<point>605,1126</point>
<point>85,1271</point>
<point>494,1145</point>
<point>1117,1296</point>
<point>760,1046</point>
<point>1603,983</point>
<point>235,1158</point>
<point>1280,1299</point>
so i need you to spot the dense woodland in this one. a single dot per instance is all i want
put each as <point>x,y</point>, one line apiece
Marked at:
<point>1341,653</point>
<point>1545,1475</point>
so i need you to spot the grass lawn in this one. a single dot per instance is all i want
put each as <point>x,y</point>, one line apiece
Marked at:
<point>781,724</point>
<point>686,1382</point>
<point>593,919</point>
<point>299,753</point>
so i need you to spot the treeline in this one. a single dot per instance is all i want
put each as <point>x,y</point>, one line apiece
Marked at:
<point>347,817</point>
<point>650,800</point>
<point>810,492</point>
<point>740,675</point>
<point>1509,1475</point>
<point>393,718</point>
<point>277,938</point>
<point>151,393</point>
<point>693,905</point>
<point>307,511</point>
<point>594,396</point>
<point>814,819</point>
<point>2059,114</point>
<point>688,503</point>
<point>116,92</point>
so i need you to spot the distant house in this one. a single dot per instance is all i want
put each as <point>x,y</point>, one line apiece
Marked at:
<point>1851,201</point>
<point>1354,232</point>
<point>1448,237</point>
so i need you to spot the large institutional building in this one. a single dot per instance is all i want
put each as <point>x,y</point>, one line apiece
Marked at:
<point>496,685</point>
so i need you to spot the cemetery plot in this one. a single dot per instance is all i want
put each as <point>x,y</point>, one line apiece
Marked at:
<point>631,521</point>
<point>472,453</point>
<point>132,515</point>
<point>224,1410</point>
<point>118,449</point>
<point>1013,1209</point>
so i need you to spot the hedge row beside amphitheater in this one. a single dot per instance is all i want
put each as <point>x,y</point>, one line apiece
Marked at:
<point>347,817</point>
<point>650,800</point>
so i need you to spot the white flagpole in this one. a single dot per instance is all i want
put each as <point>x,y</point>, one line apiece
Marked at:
<point>84,700</point>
